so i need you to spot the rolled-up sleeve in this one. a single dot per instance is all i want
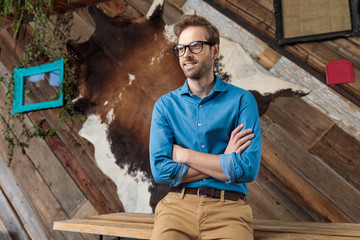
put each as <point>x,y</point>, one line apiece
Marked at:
<point>163,168</point>
<point>244,167</point>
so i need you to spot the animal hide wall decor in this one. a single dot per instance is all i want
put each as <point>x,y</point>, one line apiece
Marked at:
<point>125,66</point>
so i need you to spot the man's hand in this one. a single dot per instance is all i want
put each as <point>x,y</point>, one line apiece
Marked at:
<point>239,140</point>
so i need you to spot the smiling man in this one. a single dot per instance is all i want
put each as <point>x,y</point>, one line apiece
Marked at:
<point>205,141</point>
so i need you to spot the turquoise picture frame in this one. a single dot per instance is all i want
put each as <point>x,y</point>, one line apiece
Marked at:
<point>55,73</point>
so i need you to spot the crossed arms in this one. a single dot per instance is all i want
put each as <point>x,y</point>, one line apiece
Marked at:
<point>204,165</point>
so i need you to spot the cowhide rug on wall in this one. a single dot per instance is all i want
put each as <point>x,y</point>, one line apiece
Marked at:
<point>125,66</point>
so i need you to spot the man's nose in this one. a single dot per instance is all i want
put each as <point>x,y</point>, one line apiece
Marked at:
<point>187,52</point>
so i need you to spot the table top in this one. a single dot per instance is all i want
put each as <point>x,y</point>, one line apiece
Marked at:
<point>140,226</point>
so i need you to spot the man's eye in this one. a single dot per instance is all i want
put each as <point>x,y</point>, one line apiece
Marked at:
<point>196,44</point>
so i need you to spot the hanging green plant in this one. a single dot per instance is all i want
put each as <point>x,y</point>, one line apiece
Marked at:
<point>18,9</point>
<point>45,46</point>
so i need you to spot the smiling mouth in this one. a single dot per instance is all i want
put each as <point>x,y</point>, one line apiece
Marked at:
<point>189,65</point>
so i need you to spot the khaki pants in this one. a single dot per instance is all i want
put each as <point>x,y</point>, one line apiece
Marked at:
<point>180,217</point>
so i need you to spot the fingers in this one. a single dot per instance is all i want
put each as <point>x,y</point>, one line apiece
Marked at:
<point>241,134</point>
<point>236,130</point>
<point>239,140</point>
<point>243,147</point>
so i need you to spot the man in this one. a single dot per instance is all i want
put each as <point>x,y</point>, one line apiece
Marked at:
<point>205,141</point>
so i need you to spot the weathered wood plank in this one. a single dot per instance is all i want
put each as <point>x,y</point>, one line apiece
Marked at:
<point>296,236</point>
<point>49,167</point>
<point>253,14</point>
<point>268,58</point>
<point>313,228</point>
<point>61,6</point>
<point>170,12</point>
<point>113,8</point>
<point>80,176</point>
<point>9,54</point>
<point>293,207</point>
<point>302,189</point>
<point>177,3</point>
<point>39,194</point>
<point>264,205</point>
<point>140,226</point>
<point>4,235</point>
<point>342,153</point>
<point>9,222</point>
<point>32,224</point>
<point>73,26</point>
<point>345,48</point>
<point>86,210</point>
<point>309,178</point>
<point>343,112</point>
<point>268,4</point>
<point>306,124</point>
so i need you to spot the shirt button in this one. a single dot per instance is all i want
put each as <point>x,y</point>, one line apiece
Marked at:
<point>202,146</point>
<point>199,124</point>
<point>200,106</point>
<point>204,179</point>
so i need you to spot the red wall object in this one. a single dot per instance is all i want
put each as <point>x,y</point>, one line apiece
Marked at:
<point>340,71</point>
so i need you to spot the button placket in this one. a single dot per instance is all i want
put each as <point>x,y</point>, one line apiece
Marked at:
<point>199,124</point>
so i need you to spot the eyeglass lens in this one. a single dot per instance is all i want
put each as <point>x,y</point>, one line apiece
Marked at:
<point>195,47</point>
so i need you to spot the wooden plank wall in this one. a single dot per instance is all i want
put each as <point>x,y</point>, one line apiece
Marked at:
<point>258,17</point>
<point>309,166</point>
<point>308,161</point>
<point>58,179</point>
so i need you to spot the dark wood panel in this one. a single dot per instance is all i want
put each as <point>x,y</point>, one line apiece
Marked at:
<point>300,188</point>
<point>264,204</point>
<point>342,153</point>
<point>300,120</point>
<point>296,209</point>
<point>309,178</point>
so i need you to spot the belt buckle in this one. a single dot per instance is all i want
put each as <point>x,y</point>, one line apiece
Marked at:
<point>198,193</point>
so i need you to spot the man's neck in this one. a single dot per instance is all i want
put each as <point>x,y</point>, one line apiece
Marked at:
<point>201,87</point>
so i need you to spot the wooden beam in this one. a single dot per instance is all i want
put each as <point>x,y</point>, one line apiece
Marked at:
<point>32,224</point>
<point>341,152</point>
<point>9,222</point>
<point>306,176</point>
<point>139,225</point>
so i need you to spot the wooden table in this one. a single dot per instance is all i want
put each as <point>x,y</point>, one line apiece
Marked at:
<point>140,225</point>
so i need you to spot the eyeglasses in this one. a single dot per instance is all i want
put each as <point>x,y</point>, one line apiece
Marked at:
<point>195,47</point>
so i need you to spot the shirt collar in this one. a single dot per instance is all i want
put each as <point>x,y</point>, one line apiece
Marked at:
<point>218,87</point>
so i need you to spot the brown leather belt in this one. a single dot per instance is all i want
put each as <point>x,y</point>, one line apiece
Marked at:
<point>211,192</point>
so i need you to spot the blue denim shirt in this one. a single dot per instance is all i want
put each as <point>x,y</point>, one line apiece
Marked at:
<point>205,125</point>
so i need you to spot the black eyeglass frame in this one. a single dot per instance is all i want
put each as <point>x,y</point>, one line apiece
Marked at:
<point>174,48</point>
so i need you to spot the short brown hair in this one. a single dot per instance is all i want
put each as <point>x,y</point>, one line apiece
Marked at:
<point>193,20</point>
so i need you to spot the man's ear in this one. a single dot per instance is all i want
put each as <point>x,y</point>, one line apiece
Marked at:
<point>216,51</point>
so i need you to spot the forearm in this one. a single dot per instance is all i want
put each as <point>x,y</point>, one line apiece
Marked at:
<point>207,164</point>
<point>193,175</point>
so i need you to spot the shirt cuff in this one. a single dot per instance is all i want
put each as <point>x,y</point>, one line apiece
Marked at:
<point>230,167</point>
<point>182,170</point>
